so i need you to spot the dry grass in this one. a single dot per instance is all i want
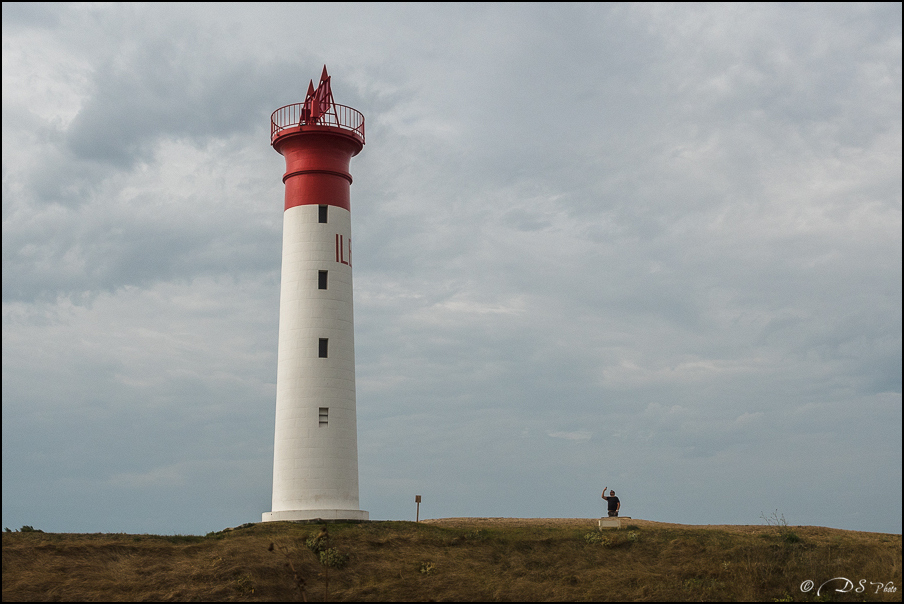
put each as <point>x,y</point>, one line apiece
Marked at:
<point>457,559</point>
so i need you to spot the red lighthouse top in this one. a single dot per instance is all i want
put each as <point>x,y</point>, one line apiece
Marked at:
<point>318,138</point>
<point>318,113</point>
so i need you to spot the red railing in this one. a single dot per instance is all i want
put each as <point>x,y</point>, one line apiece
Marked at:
<point>338,116</point>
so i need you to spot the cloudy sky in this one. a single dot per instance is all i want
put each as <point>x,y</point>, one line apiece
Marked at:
<point>650,247</point>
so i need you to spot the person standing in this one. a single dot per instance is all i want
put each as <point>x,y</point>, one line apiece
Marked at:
<point>613,501</point>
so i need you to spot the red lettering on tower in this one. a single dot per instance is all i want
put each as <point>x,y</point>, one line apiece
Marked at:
<point>340,250</point>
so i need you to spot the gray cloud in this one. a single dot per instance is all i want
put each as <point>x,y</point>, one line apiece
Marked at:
<point>657,247</point>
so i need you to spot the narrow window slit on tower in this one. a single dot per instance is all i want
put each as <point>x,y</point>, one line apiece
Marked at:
<point>323,347</point>
<point>321,279</point>
<point>322,214</point>
<point>324,416</point>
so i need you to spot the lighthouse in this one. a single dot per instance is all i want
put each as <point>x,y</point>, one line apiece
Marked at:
<point>315,452</point>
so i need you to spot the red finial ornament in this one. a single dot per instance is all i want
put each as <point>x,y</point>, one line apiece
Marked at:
<point>319,102</point>
<point>318,110</point>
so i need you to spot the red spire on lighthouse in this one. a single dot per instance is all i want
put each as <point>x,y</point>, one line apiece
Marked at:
<point>306,108</point>
<point>319,102</point>
<point>323,97</point>
<point>319,111</point>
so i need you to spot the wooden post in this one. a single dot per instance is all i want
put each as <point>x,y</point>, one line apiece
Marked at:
<point>417,500</point>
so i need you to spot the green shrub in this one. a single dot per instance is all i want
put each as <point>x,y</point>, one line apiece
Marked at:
<point>333,558</point>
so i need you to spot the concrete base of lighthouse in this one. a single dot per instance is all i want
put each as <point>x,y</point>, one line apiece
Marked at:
<point>295,515</point>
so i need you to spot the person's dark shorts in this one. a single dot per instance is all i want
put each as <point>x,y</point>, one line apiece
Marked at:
<point>613,513</point>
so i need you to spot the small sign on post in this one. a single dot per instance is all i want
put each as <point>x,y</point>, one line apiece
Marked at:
<point>417,500</point>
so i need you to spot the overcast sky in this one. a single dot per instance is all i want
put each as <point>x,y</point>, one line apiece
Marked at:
<point>650,247</point>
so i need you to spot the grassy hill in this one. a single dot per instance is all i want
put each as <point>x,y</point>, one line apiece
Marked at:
<point>457,559</point>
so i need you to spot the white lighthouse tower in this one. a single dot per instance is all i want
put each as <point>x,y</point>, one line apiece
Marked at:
<point>315,458</point>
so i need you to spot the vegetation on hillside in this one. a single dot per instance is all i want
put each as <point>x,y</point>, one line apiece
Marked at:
<point>458,560</point>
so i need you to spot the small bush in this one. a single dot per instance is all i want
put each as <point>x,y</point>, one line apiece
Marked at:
<point>779,522</point>
<point>333,558</point>
<point>427,567</point>
<point>612,540</point>
<point>317,543</point>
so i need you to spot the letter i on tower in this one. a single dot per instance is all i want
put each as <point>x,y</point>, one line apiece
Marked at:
<point>315,450</point>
